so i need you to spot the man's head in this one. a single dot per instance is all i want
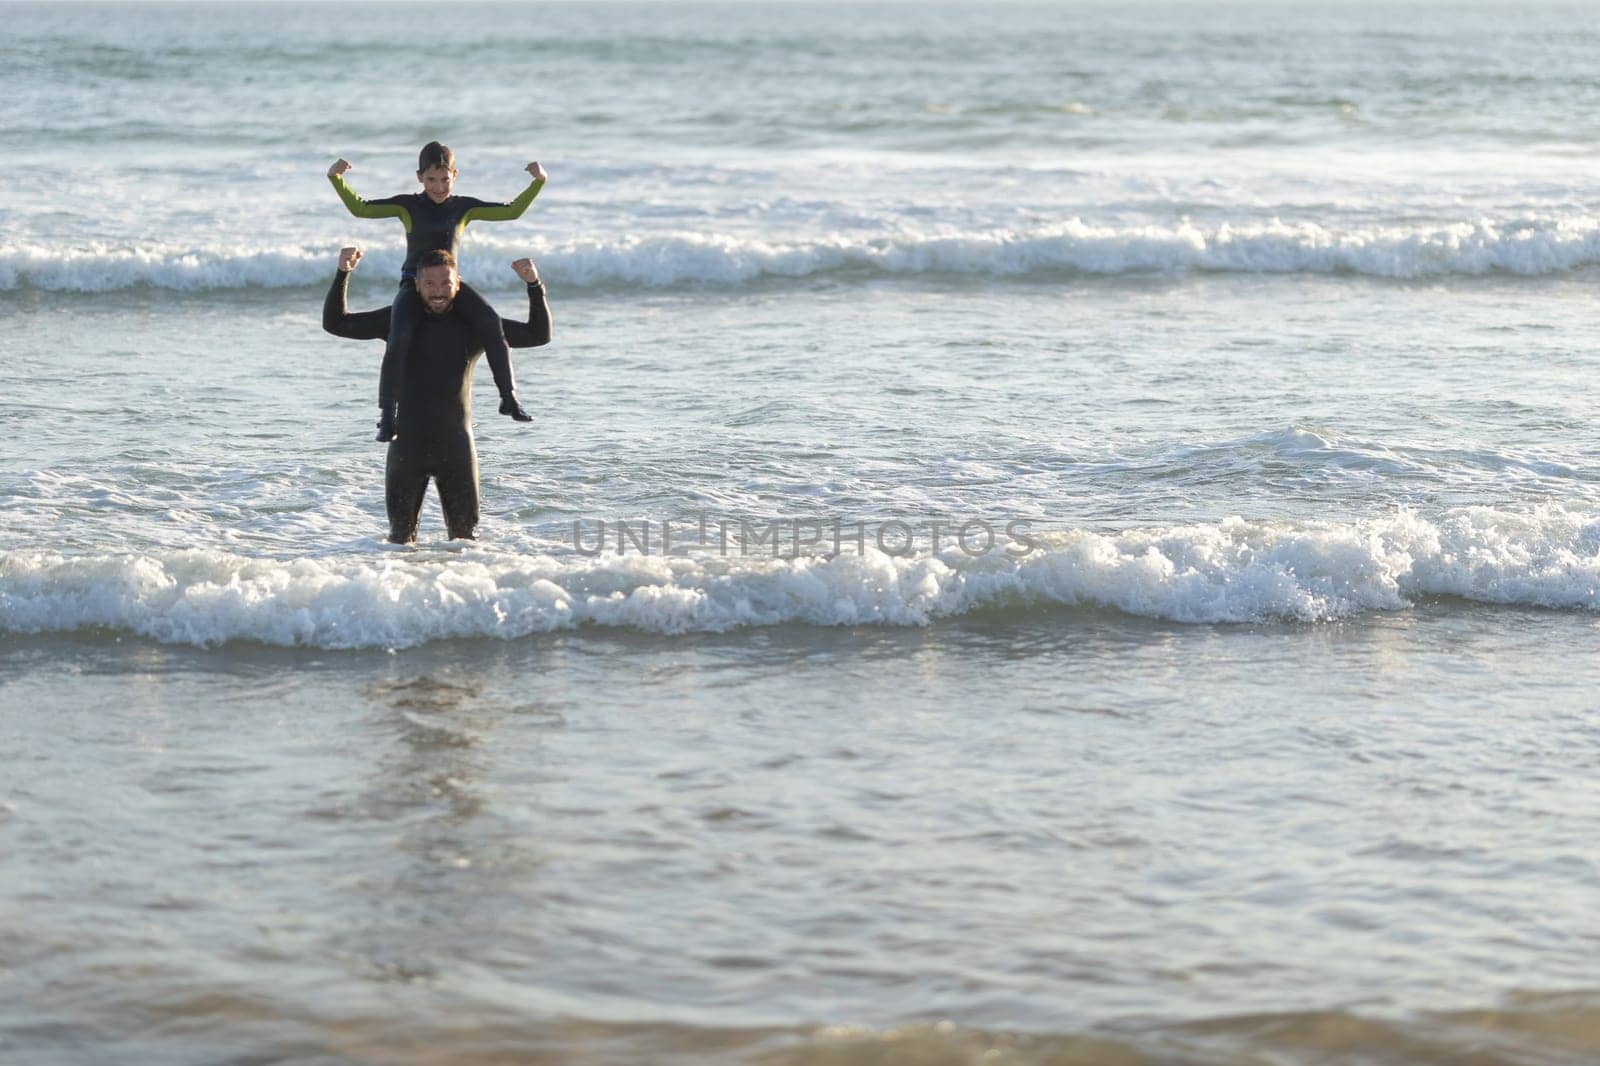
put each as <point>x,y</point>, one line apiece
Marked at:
<point>436,169</point>
<point>437,281</point>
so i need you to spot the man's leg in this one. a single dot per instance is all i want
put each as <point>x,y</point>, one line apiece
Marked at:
<point>405,482</point>
<point>403,317</point>
<point>457,481</point>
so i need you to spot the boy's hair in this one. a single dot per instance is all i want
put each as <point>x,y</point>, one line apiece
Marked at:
<point>436,257</point>
<point>434,154</point>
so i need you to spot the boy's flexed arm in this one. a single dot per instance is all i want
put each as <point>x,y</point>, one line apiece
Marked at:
<point>506,212</point>
<point>336,317</point>
<point>385,208</point>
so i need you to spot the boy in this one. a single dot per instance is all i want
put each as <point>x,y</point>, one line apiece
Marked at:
<point>434,219</point>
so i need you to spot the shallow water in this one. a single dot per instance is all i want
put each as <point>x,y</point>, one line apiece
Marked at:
<point>1259,341</point>
<point>606,846</point>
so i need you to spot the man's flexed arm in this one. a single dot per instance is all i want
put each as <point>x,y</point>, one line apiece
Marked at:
<point>535,331</point>
<point>336,317</point>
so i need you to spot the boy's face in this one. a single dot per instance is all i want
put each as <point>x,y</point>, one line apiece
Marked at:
<point>436,182</point>
<point>437,285</point>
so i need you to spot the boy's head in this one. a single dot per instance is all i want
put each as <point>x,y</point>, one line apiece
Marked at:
<point>436,169</point>
<point>437,280</point>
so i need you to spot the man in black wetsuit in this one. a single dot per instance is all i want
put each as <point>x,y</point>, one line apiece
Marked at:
<point>435,431</point>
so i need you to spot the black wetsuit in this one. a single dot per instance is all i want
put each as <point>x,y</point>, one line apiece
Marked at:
<point>432,226</point>
<point>435,438</point>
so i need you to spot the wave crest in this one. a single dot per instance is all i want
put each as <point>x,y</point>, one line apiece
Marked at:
<point>1529,247</point>
<point>1230,571</point>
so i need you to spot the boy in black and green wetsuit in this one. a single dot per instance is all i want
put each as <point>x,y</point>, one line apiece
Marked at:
<point>434,218</point>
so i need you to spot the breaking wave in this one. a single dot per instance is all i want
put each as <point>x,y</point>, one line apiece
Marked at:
<point>1529,247</point>
<point>1230,571</point>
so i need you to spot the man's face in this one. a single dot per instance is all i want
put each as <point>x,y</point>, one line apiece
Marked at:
<point>437,285</point>
<point>437,182</point>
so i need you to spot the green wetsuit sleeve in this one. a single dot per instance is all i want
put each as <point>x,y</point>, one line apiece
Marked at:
<point>503,212</point>
<point>363,209</point>
<point>337,319</point>
<point>535,331</point>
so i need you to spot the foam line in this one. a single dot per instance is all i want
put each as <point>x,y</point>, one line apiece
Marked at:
<point>1230,571</point>
<point>1522,247</point>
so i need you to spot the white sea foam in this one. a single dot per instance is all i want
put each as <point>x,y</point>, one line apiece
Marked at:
<point>1523,247</point>
<point>1232,571</point>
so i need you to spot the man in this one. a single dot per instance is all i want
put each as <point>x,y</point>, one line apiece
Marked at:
<point>435,430</point>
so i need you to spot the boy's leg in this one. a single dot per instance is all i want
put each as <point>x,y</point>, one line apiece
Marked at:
<point>485,322</point>
<point>403,317</point>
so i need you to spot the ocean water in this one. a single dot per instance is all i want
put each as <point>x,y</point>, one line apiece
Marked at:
<point>1051,533</point>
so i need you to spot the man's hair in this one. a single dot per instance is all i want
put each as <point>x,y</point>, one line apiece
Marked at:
<point>436,257</point>
<point>434,154</point>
